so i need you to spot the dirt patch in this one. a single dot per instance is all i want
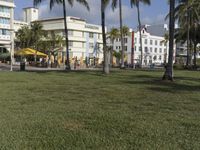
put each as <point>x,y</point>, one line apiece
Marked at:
<point>73,125</point>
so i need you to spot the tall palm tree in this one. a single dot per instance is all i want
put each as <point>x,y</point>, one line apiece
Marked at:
<point>187,14</point>
<point>52,2</point>
<point>114,5</point>
<point>37,32</point>
<point>23,36</point>
<point>113,35</point>
<point>165,41</point>
<point>106,68</point>
<point>137,4</point>
<point>168,75</point>
<point>36,35</point>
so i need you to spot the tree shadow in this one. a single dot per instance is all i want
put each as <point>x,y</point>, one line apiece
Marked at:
<point>180,84</point>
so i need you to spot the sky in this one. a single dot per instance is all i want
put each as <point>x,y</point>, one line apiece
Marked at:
<point>153,14</point>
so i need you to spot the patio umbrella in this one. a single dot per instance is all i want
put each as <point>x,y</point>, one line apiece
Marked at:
<point>29,51</point>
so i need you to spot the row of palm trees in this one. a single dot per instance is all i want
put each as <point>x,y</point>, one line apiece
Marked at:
<point>104,4</point>
<point>187,13</point>
<point>179,13</point>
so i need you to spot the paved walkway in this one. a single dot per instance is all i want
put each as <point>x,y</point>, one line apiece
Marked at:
<point>6,67</point>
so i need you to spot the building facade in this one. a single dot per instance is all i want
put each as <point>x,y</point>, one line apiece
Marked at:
<point>6,24</point>
<point>155,48</point>
<point>85,40</point>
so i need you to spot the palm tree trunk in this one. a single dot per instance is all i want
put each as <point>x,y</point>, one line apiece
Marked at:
<point>105,50</point>
<point>168,75</point>
<point>195,46</point>
<point>188,35</point>
<point>111,54</point>
<point>139,22</point>
<point>195,56</point>
<point>121,33</point>
<point>66,37</point>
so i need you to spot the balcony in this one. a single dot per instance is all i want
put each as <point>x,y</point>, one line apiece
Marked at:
<point>4,37</point>
<point>8,3</point>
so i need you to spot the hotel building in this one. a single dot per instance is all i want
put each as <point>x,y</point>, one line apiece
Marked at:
<point>6,24</point>
<point>155,50</point>
<point>85,40</point>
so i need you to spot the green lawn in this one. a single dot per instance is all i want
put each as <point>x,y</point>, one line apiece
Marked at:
<point>87,110</point>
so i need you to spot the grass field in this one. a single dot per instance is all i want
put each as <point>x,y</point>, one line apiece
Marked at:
<point>87,110</point>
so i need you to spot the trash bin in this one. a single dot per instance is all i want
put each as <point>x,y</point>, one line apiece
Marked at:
<point>22,66</point>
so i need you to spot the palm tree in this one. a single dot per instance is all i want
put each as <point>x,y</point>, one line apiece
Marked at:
<point>168,75</point>
<point>113,35</point>
<point>165,41</point>
<point>23,37</point>
<point>114,5</point>
<point>52,2</point>
<point>106,67</point>
<point>187,14</point>
<point>36,35</point>
<point>137,4</point>
<point>37,32</point>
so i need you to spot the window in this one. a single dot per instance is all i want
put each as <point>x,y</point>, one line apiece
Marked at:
<point>160,57</point>
<point>99,36</point>
<point>4,21</point>
<point>91,45</point>
<point>151,49</point>
<point>70,44</point>
<point>155,50</point>
<point>146,41</point>
<point>125,48</point>
<point>135,48</point>
<point>125,40</point>
<point>135,40</point>
<point>160,50</point>
<point>165,50</point>
<point>155,58</point>
<point>146,49</point>
<point>70,33</point>
<point>91,35</point>
<point>160,43</point>
<point>156,42</point>
<point>151,42</point>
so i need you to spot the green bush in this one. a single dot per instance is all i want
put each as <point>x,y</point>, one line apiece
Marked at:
<point>179,66</point>
<point>5,57</point>
<point>198,61</point>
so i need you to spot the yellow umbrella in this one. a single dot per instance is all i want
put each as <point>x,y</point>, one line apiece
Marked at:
<point>29,51</point>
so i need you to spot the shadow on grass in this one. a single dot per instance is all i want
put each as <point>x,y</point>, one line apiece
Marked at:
<point>153,83</point>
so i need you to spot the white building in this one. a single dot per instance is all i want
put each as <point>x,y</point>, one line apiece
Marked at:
<point>155,51</point>
<point>85,40</point>
<point>6,23</point>
<point>30,14</point>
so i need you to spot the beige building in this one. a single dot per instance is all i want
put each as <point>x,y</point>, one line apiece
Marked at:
<point>85,40</point>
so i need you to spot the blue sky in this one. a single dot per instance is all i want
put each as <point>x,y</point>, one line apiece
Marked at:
<point>153,14</point>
